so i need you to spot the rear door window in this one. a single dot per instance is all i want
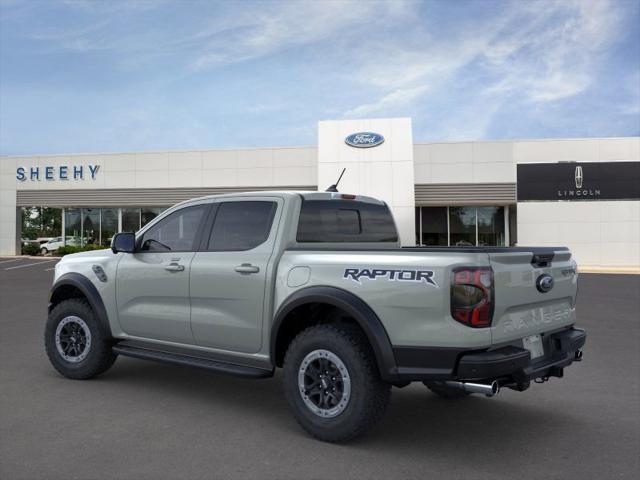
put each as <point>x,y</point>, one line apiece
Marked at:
<point>241,225</point>
<point>345,221</point>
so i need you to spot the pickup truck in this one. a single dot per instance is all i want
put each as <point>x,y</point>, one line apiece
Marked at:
<point>316,283</point>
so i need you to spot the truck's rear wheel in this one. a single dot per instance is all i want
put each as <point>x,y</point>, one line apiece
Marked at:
<point>440,389</point>
<point>332,384</point>
<point>75,344</point>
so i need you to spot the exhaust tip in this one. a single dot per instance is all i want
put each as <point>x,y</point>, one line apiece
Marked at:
<point>495,388</point>
<point>489,389</point>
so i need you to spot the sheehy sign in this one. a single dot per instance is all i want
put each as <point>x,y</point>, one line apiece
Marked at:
<point>576,181</point>
<point>59,172</point>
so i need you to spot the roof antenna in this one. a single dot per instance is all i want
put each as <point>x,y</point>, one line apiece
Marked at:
<point>334,187</point>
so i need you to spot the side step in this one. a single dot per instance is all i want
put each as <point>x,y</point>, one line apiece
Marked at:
<point>190,361</point>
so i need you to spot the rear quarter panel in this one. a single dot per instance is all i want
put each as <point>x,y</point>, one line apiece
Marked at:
<point>414,313</point>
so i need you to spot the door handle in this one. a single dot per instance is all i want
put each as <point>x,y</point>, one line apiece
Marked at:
<point>174,267</point>
<point>247,268</point>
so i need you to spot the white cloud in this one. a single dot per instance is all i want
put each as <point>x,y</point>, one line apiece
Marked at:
<point>218,34</point>
<point>539,51</point>
<point>458,73</point>
<point>553,55</point>
<point>287,25</point>
<point>396,99</point>
<point>631,105</point>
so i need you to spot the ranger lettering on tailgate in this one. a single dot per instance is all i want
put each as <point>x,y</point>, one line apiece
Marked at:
<point>535,318</point>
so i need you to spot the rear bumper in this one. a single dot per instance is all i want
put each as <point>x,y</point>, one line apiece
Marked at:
<point>509,364</point>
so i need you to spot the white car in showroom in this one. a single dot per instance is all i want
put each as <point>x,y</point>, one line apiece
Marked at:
<point>52,245</point>
<point>55,243</point>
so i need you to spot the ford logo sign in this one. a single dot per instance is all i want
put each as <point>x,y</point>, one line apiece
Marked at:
<point>544,283</point>
<point>364,139</point>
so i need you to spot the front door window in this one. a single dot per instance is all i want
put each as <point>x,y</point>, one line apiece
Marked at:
<point>175,233</point>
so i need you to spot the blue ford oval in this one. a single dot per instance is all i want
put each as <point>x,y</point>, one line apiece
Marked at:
<point>364,139</point>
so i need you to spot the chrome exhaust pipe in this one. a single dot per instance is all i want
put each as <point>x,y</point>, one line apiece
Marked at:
<point>578,356</point>
<point>489,390</point>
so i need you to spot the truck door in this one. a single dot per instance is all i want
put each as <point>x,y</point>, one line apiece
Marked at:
<point>228,277</point>
<point>152,285</point>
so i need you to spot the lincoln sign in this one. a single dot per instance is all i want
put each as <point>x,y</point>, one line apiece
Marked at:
<point>576,181</point>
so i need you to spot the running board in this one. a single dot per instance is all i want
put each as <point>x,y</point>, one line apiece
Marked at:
<point>189,361</point>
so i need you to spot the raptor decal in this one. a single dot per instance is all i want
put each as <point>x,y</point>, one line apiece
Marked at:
<point>392,275</point>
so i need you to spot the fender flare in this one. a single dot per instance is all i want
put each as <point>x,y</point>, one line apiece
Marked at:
<point>356,308</point>
<point>89,291</point>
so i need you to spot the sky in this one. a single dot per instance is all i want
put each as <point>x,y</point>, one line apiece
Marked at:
<point>112,76</point>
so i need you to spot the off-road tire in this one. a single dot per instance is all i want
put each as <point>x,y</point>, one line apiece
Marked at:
<point>446,392</point>
<point>369,395</point>
<point>100,356</point>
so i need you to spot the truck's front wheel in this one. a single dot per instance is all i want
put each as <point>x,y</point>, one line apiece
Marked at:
<point>75,343</point>
<point>332,383</point>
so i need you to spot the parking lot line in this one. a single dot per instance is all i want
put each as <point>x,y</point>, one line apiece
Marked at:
<point>31,264</point>
<point>49,269</point>
<point>9,261</point>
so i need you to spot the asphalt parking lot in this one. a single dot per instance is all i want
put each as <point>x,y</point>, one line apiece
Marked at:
<point>144,420</point>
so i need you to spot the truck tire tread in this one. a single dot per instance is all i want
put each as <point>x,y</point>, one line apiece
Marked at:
<point>100,357</point>
<point>370,395</point>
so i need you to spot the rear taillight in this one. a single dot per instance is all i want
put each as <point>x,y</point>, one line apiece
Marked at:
<point>472,296</point>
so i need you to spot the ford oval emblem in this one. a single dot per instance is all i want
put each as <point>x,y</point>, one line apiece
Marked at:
<point>544,283</point>
<point>364,139</point>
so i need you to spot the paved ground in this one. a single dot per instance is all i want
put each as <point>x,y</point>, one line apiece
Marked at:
<point>143,420</point>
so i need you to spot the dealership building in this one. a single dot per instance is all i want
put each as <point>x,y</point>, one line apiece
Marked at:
<point>582,193</point>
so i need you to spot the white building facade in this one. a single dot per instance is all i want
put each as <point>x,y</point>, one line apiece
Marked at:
<point>582,193</point>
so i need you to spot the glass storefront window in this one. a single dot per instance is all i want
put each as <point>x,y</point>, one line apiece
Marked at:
<point>468,226</point>
<point>72,226</point>
<point>90,226</point>
<point>490,226</point>
<point>109,225</point>
<point>462,225</point>
<point>434,226</point>
<point>130,219</point>
<point>87,225</point>
<point>149,214</point>
<point>41,222</point>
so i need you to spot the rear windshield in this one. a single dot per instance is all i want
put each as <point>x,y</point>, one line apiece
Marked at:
<point>345,221</point>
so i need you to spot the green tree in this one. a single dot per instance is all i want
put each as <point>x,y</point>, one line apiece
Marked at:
<point>41,222</point>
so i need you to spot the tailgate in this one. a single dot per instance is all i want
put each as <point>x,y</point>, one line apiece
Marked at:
<point>522,306</point>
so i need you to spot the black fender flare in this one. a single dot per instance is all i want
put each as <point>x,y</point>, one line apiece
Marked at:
<point>89,291</point>
<point>356,308</point>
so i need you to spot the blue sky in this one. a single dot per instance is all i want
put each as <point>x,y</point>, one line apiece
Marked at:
<point>90,76</point>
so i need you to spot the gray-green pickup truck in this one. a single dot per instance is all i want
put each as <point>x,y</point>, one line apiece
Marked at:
<point>316,283</point>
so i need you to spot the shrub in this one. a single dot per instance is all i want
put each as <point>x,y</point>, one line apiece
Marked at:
<point>31,249</point>
<point>93,246</point>
<point>66,250</point>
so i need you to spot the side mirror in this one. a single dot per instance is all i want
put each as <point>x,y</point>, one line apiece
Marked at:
<point>123,242</point>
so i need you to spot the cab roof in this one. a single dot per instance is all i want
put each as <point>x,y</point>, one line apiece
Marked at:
<point>306,195</point>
